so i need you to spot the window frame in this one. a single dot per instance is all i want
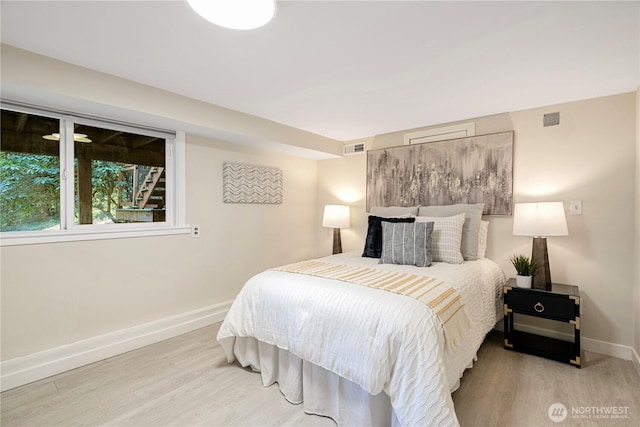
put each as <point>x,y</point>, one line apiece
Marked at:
<point>69,231</point>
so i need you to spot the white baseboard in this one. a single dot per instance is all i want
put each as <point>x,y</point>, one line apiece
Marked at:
<point>589,344</point>
<point>636,360</point>
<point>26,369</point>
<point>34,367</point>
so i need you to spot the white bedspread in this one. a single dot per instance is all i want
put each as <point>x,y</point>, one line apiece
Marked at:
<point>382,341</point>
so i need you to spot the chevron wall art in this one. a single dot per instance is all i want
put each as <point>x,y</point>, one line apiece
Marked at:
<point>251,184</point>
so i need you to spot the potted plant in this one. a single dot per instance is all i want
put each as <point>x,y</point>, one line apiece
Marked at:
<point>524,269</point>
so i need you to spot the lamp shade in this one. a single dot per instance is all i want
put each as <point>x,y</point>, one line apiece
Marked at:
<point>541,219</point>
<point>336,216</point>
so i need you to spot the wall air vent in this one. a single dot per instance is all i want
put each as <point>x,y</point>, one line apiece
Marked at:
<point>350,149</point>
<point>442,133</point>
<point>551,119</point>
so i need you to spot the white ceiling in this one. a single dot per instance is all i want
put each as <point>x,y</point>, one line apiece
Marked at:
<point>348,70</point>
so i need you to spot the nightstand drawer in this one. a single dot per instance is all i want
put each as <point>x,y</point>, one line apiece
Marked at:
<point>541,305</point>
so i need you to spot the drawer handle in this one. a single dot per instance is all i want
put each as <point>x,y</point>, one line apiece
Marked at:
<point>538,307</point>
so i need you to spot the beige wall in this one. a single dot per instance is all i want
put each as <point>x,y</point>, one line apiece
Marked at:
<point>636,299</point>
<point>590,156</point>
<point>342,182</point>
<point>56,294</point>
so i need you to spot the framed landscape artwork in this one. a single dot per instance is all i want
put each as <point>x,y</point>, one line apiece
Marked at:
<point>477,169</point>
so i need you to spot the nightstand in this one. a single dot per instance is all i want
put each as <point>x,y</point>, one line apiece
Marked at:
<point>561,303</point>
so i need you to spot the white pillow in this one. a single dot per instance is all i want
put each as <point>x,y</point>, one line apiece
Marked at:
<point>473,212</point>
<point>482,238</point>
<point>446,237</point>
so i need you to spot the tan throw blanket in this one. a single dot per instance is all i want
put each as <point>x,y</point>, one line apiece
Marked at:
<point>444,300</point>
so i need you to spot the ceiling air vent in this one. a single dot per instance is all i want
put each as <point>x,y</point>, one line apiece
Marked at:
<point>350,149</point>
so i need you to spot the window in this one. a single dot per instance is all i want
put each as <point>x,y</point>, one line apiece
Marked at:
<point>119,177</point>
<point>73,178</point>
<point>29,173</point>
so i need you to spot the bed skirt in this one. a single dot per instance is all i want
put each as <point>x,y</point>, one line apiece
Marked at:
<point>320,391</point>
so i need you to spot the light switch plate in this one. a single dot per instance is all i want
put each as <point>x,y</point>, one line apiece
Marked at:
<point>575,207</point>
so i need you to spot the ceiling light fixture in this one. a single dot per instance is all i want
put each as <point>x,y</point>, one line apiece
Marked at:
<point>235,14</point>
<point>77,137</point>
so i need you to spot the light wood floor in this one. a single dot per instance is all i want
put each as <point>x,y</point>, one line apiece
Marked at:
<point>506,388</point>
<point>185,381</point>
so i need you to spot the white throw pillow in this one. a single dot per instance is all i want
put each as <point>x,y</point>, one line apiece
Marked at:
<point>483,233</point>
<point>473,212</point>
<point>446,237</point>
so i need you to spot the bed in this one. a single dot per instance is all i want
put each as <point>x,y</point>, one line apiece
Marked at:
<point>361,354</point>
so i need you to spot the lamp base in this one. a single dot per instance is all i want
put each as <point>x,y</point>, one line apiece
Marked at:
<point>337,241</point>
<point>541,272</point>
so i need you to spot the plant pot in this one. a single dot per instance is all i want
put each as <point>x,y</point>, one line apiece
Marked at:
<point>523,281</point>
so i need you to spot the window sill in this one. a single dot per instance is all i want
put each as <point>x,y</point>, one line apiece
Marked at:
<point>94,233</point>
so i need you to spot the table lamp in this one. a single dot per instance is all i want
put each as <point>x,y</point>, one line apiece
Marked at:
<point>540,220</point>
<point>336,217</point>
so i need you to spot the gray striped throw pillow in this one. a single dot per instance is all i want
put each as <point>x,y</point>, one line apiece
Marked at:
<point>407,243</point>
